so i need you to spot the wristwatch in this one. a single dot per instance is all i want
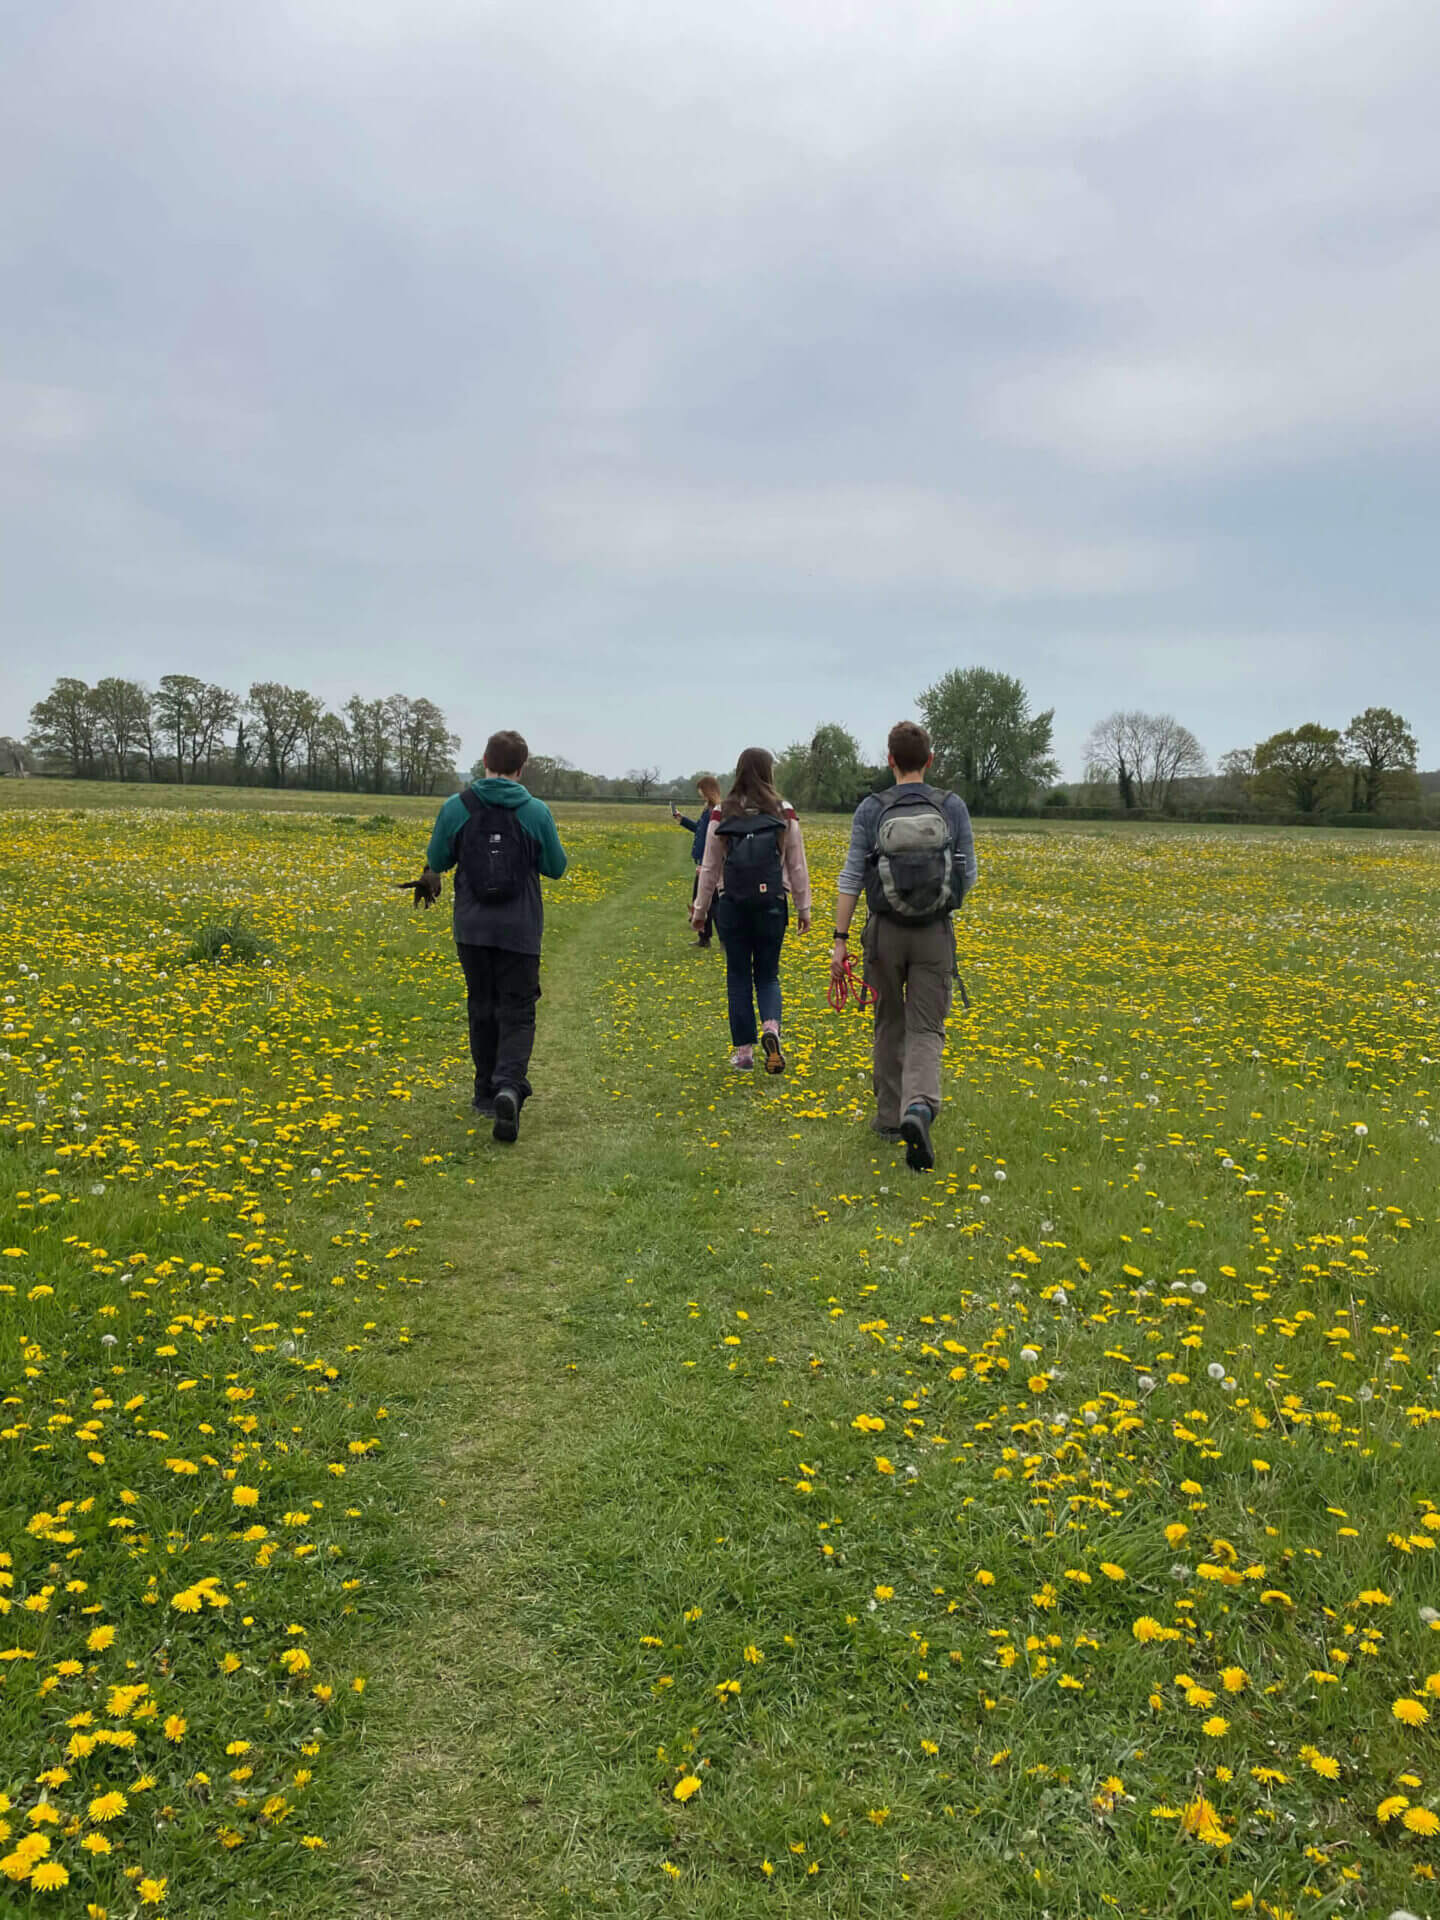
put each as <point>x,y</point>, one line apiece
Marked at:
<point>843,938</point>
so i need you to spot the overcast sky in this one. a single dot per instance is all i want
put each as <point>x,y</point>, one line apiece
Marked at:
<point>662,377</point>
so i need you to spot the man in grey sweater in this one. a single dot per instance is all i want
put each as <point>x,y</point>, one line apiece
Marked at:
<point>912,853</point>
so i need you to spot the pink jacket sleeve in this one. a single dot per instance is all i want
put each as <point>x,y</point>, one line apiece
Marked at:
<point>797,873</point>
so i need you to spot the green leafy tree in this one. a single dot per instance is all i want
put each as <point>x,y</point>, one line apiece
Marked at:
<point>825,773</point>
<point>1382,750</point>
<point>1303,766</point>
<point>216,711</point>
<point>369,741</point>
<point>121,710</point>
<point>425,748</point>
<point>177,716</point>
<point>989,746</point>
<point>282,715</point>
<point>63,727</point>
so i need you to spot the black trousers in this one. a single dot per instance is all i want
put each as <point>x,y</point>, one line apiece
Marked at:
<point>501,989</point>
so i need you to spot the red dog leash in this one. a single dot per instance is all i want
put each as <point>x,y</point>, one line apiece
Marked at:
<point>847,984</point>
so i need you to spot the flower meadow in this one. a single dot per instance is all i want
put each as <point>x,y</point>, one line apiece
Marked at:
<point>213,1247</point>
<point>1054,1534</point>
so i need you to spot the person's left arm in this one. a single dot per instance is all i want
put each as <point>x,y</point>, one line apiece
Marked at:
<point>440,854</point>
<point>552,855</point>
<point>852,883</point>
<point>797,872</point>
<point>964,844</point>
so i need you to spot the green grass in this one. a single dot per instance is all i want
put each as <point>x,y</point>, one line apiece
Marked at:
<point>576,1457</point>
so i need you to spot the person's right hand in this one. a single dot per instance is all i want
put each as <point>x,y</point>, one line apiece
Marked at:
<point>839,954</point>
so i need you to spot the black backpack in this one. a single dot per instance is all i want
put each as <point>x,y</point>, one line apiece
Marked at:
<point>753,871</point>
<point>495,853</point>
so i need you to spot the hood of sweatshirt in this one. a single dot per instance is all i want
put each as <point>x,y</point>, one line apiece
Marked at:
<point>496,791</point>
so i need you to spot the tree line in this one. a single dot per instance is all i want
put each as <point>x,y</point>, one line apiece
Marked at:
<point>1149,761</point>
<point>996,751</point>
<point>190,731</point>
<point>991,746</point>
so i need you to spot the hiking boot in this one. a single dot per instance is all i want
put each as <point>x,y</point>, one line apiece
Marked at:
<point>743,1058</point>
<point>484,1105</point>
<point>915,1132</point>
<point>507,1115</point>
<point>774,1058</point>
<point>892,1134</point>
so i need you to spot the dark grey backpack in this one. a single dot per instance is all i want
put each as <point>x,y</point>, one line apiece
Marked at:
<point>911,873</point>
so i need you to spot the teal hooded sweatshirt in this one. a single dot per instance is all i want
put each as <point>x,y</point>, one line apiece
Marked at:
<point>516,925</point>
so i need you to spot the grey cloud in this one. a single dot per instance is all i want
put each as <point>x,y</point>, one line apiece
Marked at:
<point>418,345</point>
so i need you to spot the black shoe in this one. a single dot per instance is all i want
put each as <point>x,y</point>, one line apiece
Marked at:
<point>774,1058</point>
<point>915,1132</point>
<point>484,1106</point>
<point>892,1134</point>
<point>507,1115</point>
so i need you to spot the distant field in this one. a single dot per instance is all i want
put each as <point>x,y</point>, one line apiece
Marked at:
<point>108,794</point>
<point>690,1512</point>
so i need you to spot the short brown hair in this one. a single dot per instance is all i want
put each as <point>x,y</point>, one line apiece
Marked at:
<point>506,753</point>
<point>909,746</point>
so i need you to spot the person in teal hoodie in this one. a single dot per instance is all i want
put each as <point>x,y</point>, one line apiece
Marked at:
<point>499,839</point>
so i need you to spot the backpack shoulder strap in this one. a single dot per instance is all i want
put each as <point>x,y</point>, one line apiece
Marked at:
<point>471,801</point>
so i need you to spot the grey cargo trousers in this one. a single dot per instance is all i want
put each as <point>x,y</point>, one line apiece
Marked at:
<point>911,971</point>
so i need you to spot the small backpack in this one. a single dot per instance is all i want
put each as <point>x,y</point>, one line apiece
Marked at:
<point>495,852</point>
<point>753,870</point>
<point>911,873</point>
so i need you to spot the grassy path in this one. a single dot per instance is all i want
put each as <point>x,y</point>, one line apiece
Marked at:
<point>456,1819</point>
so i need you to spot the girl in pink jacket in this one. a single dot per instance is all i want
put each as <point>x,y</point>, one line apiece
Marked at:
<point>754,865</point>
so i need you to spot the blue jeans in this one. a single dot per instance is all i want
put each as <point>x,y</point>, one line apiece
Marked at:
<point>752,935</point>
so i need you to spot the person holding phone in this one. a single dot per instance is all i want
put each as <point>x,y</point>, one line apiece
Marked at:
<point>708,788</point>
